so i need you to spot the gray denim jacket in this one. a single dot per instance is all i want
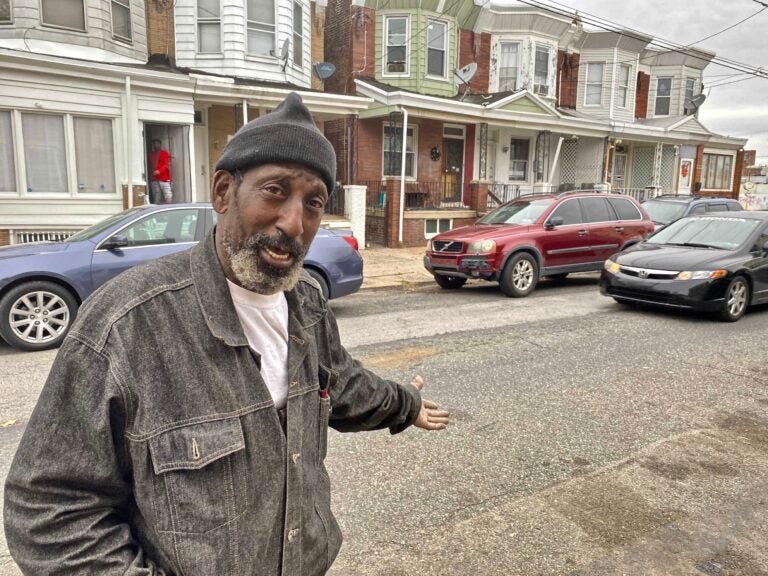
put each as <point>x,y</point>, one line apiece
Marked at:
<point>155,447</point>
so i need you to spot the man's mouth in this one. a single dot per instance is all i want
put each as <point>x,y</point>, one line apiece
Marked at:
<point>277,258</point>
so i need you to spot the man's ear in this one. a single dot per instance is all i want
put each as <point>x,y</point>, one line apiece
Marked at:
<point>221,188</point>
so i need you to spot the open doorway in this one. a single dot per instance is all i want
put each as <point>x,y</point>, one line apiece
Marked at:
<point>174,139</point>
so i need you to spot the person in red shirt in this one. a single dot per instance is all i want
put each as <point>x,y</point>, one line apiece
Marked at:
<point>160,180</point>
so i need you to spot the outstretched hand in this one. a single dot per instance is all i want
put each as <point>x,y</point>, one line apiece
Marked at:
<point>430,416</point>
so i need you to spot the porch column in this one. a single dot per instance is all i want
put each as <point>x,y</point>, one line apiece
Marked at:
<point>392,210</point>
<point>656,182</point>
<point>483,150</point>
<point>354,206</point>
<point>479,197</point>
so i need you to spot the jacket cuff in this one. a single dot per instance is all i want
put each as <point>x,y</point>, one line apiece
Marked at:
<point>412,399</point>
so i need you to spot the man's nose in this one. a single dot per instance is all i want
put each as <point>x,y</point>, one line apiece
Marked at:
<point>291,218</point>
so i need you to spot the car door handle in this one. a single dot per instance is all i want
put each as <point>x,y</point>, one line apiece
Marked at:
<point>619,228</point>
<point>583,232</point>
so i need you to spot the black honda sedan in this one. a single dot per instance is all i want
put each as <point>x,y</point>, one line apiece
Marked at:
<point>716,262</point>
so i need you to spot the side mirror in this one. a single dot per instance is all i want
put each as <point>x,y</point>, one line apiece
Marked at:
<point>115,242</point>
<point>554,222</point>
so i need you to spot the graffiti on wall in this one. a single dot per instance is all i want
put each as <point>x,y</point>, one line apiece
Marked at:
<point>754,197</point>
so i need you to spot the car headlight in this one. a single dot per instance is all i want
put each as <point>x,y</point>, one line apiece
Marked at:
<point>702,274</point>
<point>611,266</point>
<point>482,247</point>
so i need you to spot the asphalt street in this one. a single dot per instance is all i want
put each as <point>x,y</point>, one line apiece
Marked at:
<point>586,438</point>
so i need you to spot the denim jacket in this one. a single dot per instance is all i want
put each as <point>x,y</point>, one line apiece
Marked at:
<point>155,447</point>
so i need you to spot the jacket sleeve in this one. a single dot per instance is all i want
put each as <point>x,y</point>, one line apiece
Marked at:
<point>68,489</point>
<point>360,399</point>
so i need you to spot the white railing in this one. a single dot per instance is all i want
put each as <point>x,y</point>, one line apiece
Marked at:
<point>27,236</point>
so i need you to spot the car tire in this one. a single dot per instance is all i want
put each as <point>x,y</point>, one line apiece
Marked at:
<point>320,280</point>
<point>736,300</point>
<point>37,315</point>
<point>625,303</point>
<point>520,276</point>
<point>450,282</point>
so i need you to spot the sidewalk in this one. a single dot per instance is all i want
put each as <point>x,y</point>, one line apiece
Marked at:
<point>394,268</point>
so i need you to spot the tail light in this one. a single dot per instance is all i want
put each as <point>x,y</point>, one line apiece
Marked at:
<point>352,241</point>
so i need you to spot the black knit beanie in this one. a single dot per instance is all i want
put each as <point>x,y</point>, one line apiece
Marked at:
<point>287,134</point>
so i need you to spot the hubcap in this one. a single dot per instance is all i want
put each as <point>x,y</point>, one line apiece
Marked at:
<point>737,298</point>
<point>522,275</point>
<point>38,317</point>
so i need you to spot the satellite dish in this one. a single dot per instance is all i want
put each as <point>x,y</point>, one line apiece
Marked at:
<point>464,75</point>
<point>284,53</point>
<point>692,105</point>
<point>324,70</point>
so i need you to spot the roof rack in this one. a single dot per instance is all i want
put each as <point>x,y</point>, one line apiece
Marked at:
<point>570,192</point>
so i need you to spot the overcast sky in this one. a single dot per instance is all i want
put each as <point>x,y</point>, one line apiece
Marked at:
<point>739,109</point>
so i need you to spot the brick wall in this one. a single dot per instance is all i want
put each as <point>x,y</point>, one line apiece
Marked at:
<point>161,44</point>
<point>750,159</point>
<point>737,172</point>
<point>5,237</point>
<point>138,195</point>
<point>368,160</point>
<point>375,230</point>
<point>568,77</point>
<point>641,96</point>
<point>469,157</point>
<point>476,47</point>
<point>696,182</point>
<point>350,44</point>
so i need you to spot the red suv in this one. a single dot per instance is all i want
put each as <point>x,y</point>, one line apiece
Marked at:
<point>538,235</point>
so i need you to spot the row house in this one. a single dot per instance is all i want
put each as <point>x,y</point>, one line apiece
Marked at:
<point>86,85</point>
<point>474,103</point>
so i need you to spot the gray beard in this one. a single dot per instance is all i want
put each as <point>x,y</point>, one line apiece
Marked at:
<point>256,275</point>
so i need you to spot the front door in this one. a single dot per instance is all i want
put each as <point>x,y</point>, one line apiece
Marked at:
<point>684,179</point>
<point>619,171</point>
<point>175,140</point>
<point>453,168</point>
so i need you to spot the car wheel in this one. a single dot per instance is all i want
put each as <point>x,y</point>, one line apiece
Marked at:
<point>736,300</point>
<point>558,277</point>
<point>450,282</point>
<point>36,315</point>
<point>320,280</point>
<point>520,276</point>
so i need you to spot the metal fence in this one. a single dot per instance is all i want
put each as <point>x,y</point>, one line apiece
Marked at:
<point>27,236</point>
<point>335,205</point>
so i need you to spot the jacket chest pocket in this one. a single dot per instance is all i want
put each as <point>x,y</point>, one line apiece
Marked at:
<point>200,473</point>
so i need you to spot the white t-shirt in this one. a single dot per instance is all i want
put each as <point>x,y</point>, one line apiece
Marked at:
<point>264,318</point>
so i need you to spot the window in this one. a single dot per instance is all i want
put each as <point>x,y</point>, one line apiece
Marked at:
<point>716,171</point>
<point>433,227</point>
<point>166,227</point>
<point>208,26</point>
<point>518,160</point>
<point>690,87</point>
<point>393,147</point>
<point>541,71</point>
<point>594,94</point>
<point>625,209</point>
<point>508,65</point>
<point>64,14</point>
<point>121,19</point>
<point>7,166</point>
<point>570,212</point>
<point>622,94</point>
<point>596,210</point>
<point>663,96</point>
<point>298,34</point>
<point>437,40</point>
<point>261,27</point>
<point>44,152</point>
<point>5,11</point>
<point>396,50</point>
<point>94,155</point>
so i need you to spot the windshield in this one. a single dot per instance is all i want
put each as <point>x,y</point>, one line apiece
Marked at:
<point>706,232</point>
<point>99,227</point>
<point>520,212</point>
<point>663,212</point>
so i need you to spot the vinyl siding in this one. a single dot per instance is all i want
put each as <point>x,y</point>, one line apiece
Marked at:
<point>611,60</point>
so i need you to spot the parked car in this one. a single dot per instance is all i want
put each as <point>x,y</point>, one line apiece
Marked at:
<point>669,207</point>
<point>43,284</point>
<point>535,236</point>
<point>717,262</point>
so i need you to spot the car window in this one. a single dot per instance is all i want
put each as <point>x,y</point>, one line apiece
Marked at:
<point>570,212</point>
<point>717,207</point>
<point>100,227</point>
<point>625,209</point>
<point>700,209</point>
<point>596,210</point>
<point>761,241</point>
<point>518,212</point>
<point>662,212</point>
<point>166,227</point>
<point>734,207</point>
<point>727,233</point>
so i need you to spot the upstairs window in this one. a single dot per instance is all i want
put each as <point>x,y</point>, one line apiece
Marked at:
<point>64,14</point>
<point>396,49</point>
<point>437,48</point>
<point>518,160</point>
<point>663,96</point>
<point>298,34</point>
<point>5,11</point>
<point>690,88</point>
<point>208,26</point>
<point>121,19</point>
<point>261,27</point>
<point>594,93</point>
<point>541,71</point>
<point>508,65</point>
<point>622,94</point>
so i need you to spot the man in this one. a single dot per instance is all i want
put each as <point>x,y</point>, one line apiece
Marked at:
<point>183,427</point>
<point>160,182</point>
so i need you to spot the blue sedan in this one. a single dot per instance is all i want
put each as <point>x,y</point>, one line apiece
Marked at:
<point>42,285</point>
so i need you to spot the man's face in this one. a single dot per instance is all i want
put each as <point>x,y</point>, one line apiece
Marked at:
<point>156,146</point>
<point>266,223</point>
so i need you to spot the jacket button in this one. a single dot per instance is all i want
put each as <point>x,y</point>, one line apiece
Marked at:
<point>295,457</point>
<point>292,534</point>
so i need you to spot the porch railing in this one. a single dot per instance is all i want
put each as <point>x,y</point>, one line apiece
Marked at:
<point>335,205</point>
<point>419,195</point>
<point>500,192</point>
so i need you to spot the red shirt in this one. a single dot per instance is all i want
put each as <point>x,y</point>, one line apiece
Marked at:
<point>160,161</point>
